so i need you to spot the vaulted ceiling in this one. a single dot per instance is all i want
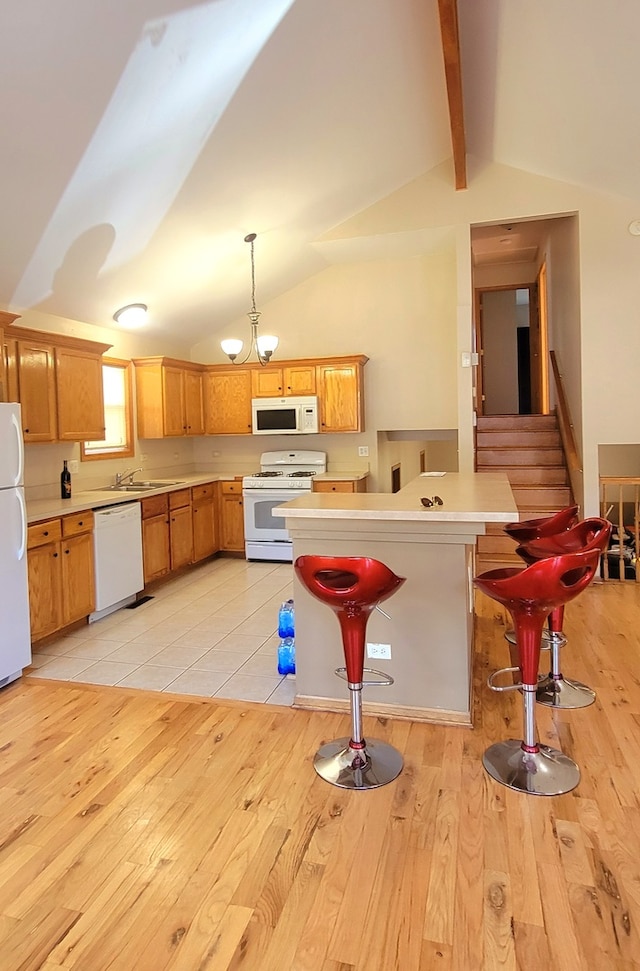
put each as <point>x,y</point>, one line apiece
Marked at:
<point>143,141</point>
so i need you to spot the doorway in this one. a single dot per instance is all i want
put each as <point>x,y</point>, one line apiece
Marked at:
<point>512,342</point>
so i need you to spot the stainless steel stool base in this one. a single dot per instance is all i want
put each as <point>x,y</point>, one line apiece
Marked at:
<point>548,639</point>
<point>564,693</point>
<point>547,772</point>
<point>375,765</point>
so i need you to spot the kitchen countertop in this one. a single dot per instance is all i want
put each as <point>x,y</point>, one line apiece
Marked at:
<point>468,498</point>
<point>341,476</point>
<point>38,509</point>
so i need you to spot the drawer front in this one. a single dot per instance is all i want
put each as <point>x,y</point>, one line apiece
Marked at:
<point>333,487</point>
<point>82,522</point>
<point>198,493</point>
<point>41,533</point>
<point>232,488</point>
<point>182,497</point>
<point>154,506</point>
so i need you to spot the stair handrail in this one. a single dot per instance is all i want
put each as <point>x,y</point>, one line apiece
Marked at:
<point>566,426</point>
<point>572,455</point>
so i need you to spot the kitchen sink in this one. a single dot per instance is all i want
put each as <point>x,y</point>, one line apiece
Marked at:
<point>145,486</point>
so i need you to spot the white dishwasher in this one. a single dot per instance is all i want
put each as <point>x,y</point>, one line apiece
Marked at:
<point>117,557</point>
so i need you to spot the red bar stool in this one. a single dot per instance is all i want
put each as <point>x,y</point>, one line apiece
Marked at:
<point>588,534</point>
<point>530,594</point>
<point>353,586</point>
<point>528,529</point>
<point>533,529</point>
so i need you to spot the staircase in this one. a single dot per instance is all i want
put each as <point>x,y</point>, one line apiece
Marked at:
<point>529,450</point>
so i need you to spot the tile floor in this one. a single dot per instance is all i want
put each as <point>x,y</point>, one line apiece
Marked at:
<point>211,632</point>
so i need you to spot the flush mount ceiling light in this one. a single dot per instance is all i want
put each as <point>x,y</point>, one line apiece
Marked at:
<point>263,346</point>
<point>133,315</point>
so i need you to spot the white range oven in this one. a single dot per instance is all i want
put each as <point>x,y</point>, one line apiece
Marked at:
<point>283,476</point>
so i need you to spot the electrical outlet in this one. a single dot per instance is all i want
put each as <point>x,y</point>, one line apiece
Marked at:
<point>73,465</point>
<point>363,451</point>
<point>380,651</point>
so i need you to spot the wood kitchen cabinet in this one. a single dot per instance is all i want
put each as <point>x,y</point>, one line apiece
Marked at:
<point>340,485</point>
<point>203,505</point>
<point>58,381</point>
<point>276,382</point>
<point>37,389</point>
<point>8,362</point>
<point>80,403</point>
<point>338,383</point>
<point>169,397</point>
<point>231,516</point>
<point>180,528</point>
<point>167,533</point>
<point>60,567</point>
<point>156,551</point>
<point>228,401</point>
<point>341,395</point>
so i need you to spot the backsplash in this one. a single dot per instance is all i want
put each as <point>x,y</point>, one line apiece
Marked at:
<point>165,458</point>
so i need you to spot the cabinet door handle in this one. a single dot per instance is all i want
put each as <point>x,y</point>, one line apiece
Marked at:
<point>67,552</point>
<point>55,556</point>
<point>81,522</point>
<point>46,532</point>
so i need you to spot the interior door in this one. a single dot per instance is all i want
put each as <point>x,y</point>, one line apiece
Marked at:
<point>504,315</point>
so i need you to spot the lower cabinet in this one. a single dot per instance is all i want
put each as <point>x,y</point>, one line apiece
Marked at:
<point>340,485</point>
<point>156,552</point>
<point>203,505</point>
<point>231,517</point>
<point>60,565</point>
<point>167,533</point>
<point>180,528</point>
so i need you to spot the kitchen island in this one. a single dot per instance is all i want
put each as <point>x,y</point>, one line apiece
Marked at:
<point>431,630</point>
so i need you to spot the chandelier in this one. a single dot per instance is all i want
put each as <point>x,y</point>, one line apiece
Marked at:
<point>264,345</point>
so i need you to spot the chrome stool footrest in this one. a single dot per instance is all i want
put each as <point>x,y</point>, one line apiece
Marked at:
<point>503,687</point>
<point>382,677</point>
<point>550,639</point>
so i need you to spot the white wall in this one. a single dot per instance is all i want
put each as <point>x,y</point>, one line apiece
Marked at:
<point>602,389</point>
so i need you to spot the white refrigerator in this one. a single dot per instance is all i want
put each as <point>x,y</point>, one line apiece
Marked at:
<point>15,632</point>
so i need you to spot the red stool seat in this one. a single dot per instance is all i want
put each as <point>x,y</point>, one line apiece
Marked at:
<point>353,586</point>
<point>588,534</point>
<point>534,529</point>
<point>530,594</point>
<point>529,529</point>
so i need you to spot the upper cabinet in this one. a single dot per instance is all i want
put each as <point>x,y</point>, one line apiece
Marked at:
<point>228,400</point>
<point>79,395</point>
<point>169,397</point>
<point>58,382</point>
<point>278,382</point>
<point>341,394</point>
<point>182,398</point>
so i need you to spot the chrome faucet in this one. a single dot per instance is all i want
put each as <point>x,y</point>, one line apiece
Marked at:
<point>121,476</point>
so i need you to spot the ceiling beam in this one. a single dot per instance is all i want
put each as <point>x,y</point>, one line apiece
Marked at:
<point>451,52</point>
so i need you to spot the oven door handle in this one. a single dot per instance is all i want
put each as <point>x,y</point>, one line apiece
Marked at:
<point>284,495</point>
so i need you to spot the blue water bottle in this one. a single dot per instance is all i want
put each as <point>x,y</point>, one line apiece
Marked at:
<point>286,620</point>
<point>286,656</point>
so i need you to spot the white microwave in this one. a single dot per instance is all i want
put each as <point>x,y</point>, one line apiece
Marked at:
<point>284,416</point>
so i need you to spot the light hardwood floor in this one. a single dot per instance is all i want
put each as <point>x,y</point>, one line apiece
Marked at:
<point>144,831</point>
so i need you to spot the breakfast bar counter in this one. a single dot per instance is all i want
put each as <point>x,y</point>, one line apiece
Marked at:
<point>431,628</point>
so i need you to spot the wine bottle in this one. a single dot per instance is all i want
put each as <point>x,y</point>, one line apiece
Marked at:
<point>65,482</point>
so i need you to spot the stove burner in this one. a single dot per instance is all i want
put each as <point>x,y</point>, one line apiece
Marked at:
<point>265,475</point>
<point>299,475</point>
